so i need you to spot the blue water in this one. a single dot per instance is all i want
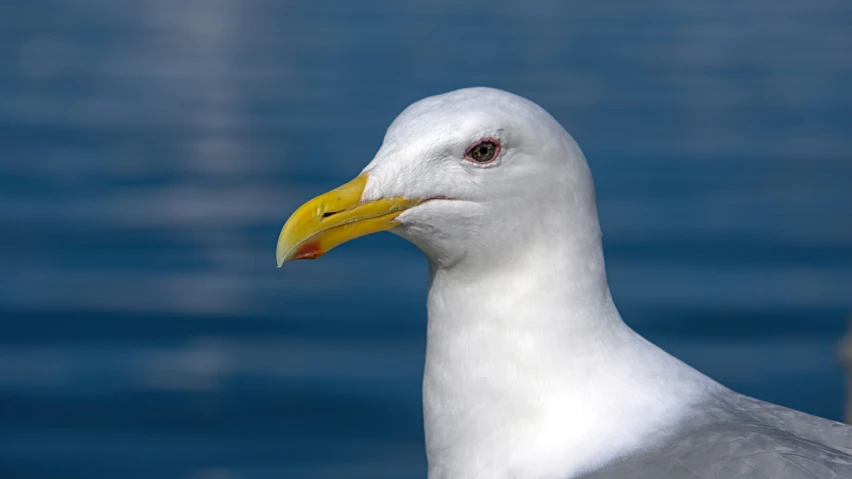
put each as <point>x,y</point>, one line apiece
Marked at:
<point>151,150</point>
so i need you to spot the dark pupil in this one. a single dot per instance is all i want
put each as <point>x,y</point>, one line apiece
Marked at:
<point>483,152</point>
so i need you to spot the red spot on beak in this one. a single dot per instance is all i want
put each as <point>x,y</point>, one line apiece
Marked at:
<point>309,251</point>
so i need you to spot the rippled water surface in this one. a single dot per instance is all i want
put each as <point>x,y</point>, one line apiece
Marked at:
<point>151,150</point>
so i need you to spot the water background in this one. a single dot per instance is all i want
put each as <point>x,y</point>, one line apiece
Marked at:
<point>151,150</point>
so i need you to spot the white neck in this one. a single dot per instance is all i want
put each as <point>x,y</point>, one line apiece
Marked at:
<point>532,374</point>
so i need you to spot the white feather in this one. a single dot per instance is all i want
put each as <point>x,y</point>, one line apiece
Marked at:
<point>530,371</point>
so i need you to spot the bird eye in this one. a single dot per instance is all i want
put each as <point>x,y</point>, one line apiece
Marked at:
<point>483,151</point>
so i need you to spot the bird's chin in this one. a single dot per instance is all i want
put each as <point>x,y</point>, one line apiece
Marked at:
<point>440,227</point>
<point>437,213</point>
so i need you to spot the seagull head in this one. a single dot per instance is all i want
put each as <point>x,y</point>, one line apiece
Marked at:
<point>477,175</point>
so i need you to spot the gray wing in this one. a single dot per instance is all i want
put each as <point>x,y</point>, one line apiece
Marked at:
<point>735,436</point>
<point>830,433</point>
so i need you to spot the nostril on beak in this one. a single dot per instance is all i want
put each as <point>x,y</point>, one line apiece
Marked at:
<point>329,213</point>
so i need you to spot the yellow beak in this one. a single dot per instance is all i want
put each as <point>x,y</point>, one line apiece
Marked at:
<point>334,218</point>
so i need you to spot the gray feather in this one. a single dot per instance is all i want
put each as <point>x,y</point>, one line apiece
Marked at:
<point>734,436</point>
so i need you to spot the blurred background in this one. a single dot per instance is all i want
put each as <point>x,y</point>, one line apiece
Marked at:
<point>151,150</point>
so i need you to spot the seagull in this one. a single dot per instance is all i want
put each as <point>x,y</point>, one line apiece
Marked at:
<point>530,371</point>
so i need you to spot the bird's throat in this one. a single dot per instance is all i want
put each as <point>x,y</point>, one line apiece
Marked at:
<point>534,367</point>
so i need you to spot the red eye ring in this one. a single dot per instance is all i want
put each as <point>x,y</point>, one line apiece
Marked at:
<point>484,151</point>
